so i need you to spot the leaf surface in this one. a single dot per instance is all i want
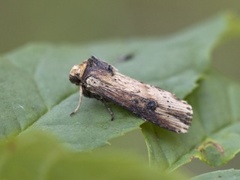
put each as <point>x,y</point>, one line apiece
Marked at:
<point>223,174</point>
<point>36,93</point>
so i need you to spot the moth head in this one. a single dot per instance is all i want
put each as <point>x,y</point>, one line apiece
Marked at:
<point>76,73</point>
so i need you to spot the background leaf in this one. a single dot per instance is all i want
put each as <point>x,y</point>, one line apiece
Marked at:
<point>37,156</point>
<point>223,174</point>
<point>38,95</point>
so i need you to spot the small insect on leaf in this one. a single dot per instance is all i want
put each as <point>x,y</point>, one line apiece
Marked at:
<point>100,80</point>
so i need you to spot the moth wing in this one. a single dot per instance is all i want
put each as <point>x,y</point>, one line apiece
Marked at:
<point>148,102</point>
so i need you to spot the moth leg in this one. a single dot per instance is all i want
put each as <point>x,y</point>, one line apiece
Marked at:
<point>79,102</point>
<point>108,108</point>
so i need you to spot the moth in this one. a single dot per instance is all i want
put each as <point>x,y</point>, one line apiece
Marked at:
<point>100,80</point>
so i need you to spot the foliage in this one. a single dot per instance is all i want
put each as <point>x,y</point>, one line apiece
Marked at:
<point>37,96</point>
<point>224,174</point>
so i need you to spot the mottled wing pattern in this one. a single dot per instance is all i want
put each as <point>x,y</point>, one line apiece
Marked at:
<point>150,103</point>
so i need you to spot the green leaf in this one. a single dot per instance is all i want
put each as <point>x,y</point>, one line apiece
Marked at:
<point>223,174</point>
<point>37,156</point>
<point>36,94</point>
<point>215,132</point>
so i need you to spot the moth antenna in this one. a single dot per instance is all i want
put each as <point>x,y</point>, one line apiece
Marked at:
<point>79,102</point>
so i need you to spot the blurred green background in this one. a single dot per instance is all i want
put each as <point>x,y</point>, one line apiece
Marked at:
<point>72,21</point>
<point>77,21</point>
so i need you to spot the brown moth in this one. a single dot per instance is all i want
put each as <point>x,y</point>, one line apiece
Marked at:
<point>100,80</point>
